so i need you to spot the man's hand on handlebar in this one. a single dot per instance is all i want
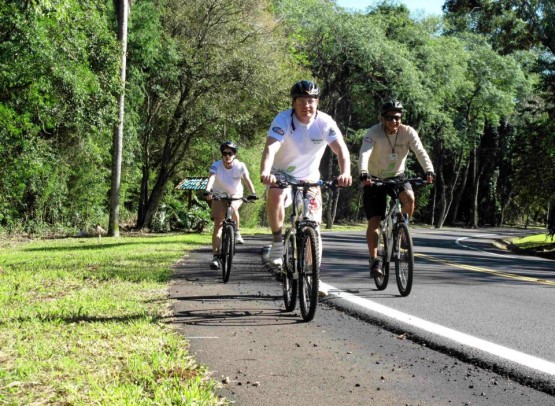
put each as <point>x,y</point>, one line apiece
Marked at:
<point>344,180</point>
<point>267,179</point>
<point>365,178</point>
<point>208,195</point>
<point>430,176</point>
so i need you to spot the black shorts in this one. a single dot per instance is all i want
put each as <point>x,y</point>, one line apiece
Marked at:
<point>375,199</point>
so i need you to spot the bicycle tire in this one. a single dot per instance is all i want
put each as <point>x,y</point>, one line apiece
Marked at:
<point>381,281</point>
<point>289,284</point>
<point>309,272</point>
<point>404,258</point>
<point>227,251</point>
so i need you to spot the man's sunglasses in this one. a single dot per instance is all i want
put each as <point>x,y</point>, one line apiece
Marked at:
<point>391,118</point>
<point>228,153</point>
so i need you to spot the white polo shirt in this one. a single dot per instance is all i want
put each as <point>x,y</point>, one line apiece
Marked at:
<point>302,148</point>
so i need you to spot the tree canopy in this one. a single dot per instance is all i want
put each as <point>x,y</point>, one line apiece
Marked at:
<point>476,84</point>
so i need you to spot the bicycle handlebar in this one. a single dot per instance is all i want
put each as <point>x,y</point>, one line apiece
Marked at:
<point>395,182</point>
<point>282,184</point>
<point>225,196</point>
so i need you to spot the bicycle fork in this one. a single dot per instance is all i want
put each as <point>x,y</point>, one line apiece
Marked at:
<point>295,256</point>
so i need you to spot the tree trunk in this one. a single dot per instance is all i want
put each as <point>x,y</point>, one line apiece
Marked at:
<point>456,201</point>
<point>151,205</point>
<point>334,199</point>
<point>172,155</point>
<point>330,212</point>
<point>504,209</point>
<point>122,11</point>
<point>440,200</point>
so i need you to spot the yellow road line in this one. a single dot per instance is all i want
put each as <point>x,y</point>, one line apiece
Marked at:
<point>484,270</point>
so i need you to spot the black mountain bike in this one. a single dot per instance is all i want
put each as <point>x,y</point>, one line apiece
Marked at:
<point>395,242</point>
<point>227,246</point>
<point>301,259</point>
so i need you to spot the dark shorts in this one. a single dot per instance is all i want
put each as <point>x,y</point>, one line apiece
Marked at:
<point>375,199</point>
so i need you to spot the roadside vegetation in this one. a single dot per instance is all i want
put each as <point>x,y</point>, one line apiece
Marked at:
<point>542,245</point>
<point>87,321</point>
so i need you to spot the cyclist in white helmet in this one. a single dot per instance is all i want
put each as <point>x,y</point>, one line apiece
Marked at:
<point>295,144</point>
<point>225,177</point>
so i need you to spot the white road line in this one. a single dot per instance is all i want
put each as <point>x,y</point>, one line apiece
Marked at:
<point>523,258</point>
<point>458,242</point>
<point>201,337</point>
<point>461,338</point>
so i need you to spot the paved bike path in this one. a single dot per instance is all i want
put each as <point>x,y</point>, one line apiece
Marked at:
<point>262,355</point>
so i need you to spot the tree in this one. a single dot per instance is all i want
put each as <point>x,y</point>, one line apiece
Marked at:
<point>57,71</point>
<point>511,27</point>
<point>122,13</point>
<point>217,68</point>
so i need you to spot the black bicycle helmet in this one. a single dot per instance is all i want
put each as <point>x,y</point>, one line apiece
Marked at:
<point>305,88</point>
<point>392,105</point>
<point>228,144</point>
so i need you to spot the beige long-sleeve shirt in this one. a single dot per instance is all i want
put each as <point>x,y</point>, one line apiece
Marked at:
<point>385,156</point>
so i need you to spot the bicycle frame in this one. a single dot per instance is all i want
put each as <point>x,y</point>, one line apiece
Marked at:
<point>394,213</point>
<point>300,215</point>
<point>227,199</point>
<point>229,228</point>
<point>394,237</point>
<point>300,274</point>
<point>388,223</point>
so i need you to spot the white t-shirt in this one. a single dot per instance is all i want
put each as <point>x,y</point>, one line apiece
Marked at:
<point>302,149</point>
<point>229,180</point>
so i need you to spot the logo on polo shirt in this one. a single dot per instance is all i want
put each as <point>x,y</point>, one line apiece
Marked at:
<point>278,130</point>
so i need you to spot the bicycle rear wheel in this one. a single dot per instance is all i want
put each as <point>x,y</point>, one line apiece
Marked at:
<point>227,251</point>
<point>290,285</point>
<point>382,280</point>
<point>404,258</point>
<point>309,273</point>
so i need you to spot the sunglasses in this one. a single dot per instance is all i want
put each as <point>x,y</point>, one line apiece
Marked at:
<point>392,118</point>
<point>306,100</point>
<point>225,153</point>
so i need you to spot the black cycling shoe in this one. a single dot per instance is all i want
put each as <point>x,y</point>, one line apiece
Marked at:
<point>375,267</point>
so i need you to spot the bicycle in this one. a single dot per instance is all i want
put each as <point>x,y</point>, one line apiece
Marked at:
<point>395,241</point>
<point>227,245</point>
<point>300,274</point>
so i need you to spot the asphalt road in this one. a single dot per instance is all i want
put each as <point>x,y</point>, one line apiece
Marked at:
<point>476,329</point>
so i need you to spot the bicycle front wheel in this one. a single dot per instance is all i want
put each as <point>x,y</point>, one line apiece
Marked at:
<point>309,273</point>
<point>382,280</point>
<point>227,251</point>
<point>289,281</point>
<point>404,258</point>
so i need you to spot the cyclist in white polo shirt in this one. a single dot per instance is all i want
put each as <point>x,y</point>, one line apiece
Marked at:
<point>295,144</point>
<point>225,177</point>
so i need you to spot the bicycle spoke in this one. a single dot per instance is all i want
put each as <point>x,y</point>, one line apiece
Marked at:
<point>309,270</point>
<point>404,259</point>
<point>289,283</point>
<point>227,251</point>
<point>381,281</point>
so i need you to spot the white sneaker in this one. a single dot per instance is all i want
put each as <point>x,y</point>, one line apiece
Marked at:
<point>266,254</point>
<point>276,254</point>
<point>215,264</point>
<point>238,238</point>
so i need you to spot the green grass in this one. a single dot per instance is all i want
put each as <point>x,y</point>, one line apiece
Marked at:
<point>539,244</point>
<point>84,321</point>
